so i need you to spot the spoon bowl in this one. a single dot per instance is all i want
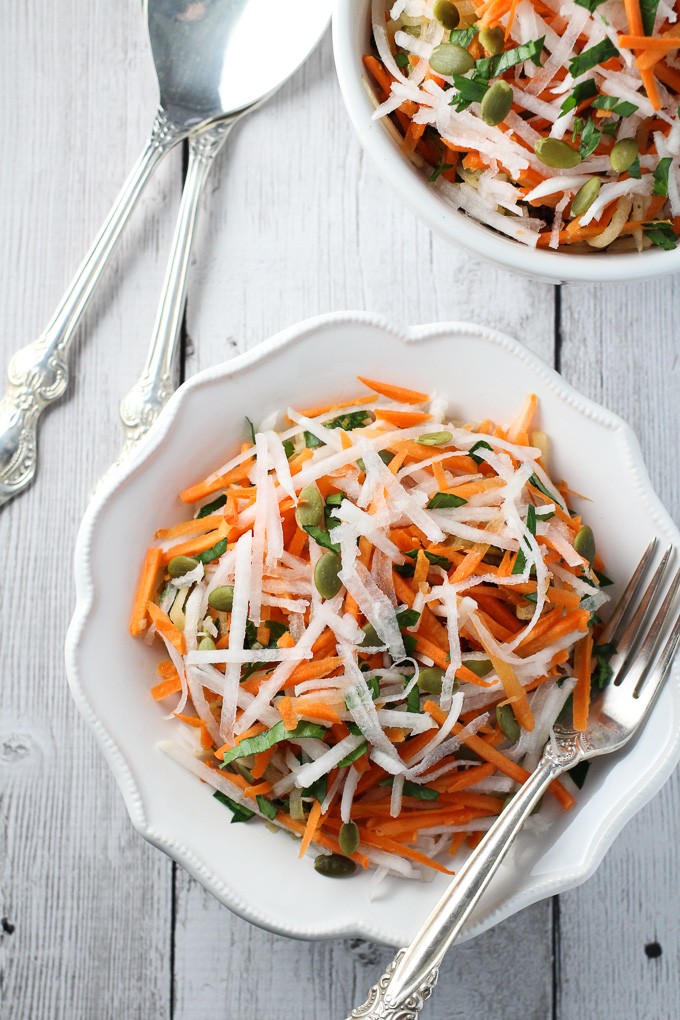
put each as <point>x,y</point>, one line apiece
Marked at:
<point>216,58</point>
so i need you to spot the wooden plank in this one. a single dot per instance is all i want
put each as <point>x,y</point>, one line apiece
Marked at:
<point>289,231</point>
<point>620,347</point>
<point>86,903</point>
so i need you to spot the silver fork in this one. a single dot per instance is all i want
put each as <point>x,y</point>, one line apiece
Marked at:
<point>646,640</point>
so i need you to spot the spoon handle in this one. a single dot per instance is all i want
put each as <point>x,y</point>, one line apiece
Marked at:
<point>143,403</point>
<point>38,374</point>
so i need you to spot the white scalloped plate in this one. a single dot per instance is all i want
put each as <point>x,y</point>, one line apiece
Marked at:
<point>253,872</point>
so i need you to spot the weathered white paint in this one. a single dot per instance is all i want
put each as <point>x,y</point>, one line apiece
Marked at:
<point>296,222</point>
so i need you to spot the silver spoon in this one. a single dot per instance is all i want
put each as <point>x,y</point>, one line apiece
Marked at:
<point>282,36</point>
<point>214,60</point>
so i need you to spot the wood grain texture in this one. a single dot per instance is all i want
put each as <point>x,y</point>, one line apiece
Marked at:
<point>620,346</point>
<point>296,222</point>
<point>86,902</point>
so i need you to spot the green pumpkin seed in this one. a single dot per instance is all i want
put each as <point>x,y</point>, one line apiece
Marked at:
<point>181,565</point>
<point>434,439</point>
<point>310,507</point>
<point>430,680</point>
<point>371,638</point>
<point>334,866</point>
<point>505,717</point>
<point>446,13</point>
<point>480,667</point>
<point>623,155</point>
<point>206,645</point>
<point>348,838</point>
<point>556,153</point>
<point>496,103</point>
<point>450,58</point>
<point>222,598</point>
<point>584,543</point>
<point>493,40</point>
<point>585,196</point>
<point>326,573</point>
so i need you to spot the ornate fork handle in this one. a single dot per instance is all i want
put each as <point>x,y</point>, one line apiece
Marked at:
<point>38,374</point>
<point>410,979</point>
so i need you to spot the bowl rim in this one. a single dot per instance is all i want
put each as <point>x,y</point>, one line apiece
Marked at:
<point>452,224</point>
<point>123,769</point>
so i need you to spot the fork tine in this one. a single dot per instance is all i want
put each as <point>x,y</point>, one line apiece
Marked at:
<point>625,641</point>
<point>617,618</point>
<point>651,655</point>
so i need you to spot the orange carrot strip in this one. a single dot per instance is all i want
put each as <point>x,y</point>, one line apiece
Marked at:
<point>402,419</point>
<point>166,687</point>
<point>166,627</point>
<point>260,790</point>
<point>649,42</point>
<point>514,691</point>
<point>261,762</point>
<point>314,412</point>
<point>145,588</point>
<point>310,828</point>
<point>215,482</point>
<point>315,710</point>
<point>197,545</point>
<point>195,525</point>
<point>287,713</point>
<point>392,847</point>
<point>399,393</point>
<point>314,670</point>
<point>582,668</point>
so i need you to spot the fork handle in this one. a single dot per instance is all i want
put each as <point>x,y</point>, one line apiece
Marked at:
<point>38,374</point>
<point>410,979</point>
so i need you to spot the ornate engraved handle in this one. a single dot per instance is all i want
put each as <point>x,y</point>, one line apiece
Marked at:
<point>410,978</point>
<point>144,402</point>
<point>38,374</point>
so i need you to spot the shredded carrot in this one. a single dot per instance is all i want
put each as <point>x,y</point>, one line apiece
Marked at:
<point>166,627</point>
<point>399,393</point>
<point>148,578</point>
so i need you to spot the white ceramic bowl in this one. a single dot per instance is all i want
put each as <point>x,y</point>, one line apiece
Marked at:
<point>253,872</point>
<point>352,40</point>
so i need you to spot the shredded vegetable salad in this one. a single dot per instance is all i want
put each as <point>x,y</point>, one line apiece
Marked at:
<point>372,623</point>
<point>554,122</point>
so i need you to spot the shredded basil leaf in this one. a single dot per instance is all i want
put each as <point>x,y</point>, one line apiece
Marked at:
<point>210,508</point>
<point>590,5</point>
<point>436,561</point>
<point>661,176</point>
<point>597,54</point>
<point>620,106</point>
<point>349,422</point>
<point>584,90</point>
<point>521,561</point>
<point>590,139</point>
<point>538,484</point>
<point>251,430</point>
<point>354,755</point>
<point>213,553</point>
<point>661,234</point>
<point>413,789</point>
<point>481,445</point>
<point>468,90</point>
<point>463,36</point>
<point>443,500</point>
<point>648,10</point>
<point>491,67</point>
<point>335,498</point>
<point>634,170</point>
<point>240,813</point>
<point>268,809</point>
<point>413,697</point>
<point>318,789</point>
<point>322,538</point>
<point>288,448</point>
<point>438,171</point>
<point>407,617</point>
<point>312,441</point>
<point>263,741</point>
<point>602,673</point>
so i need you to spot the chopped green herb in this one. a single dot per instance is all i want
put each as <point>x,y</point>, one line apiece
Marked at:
<point>322,538</point>
<point>349,422</point>
<point>288,448</point>
<point>491,67</point>
<point>468,90</point>
<point>584,90</point>
<point>620,106</point>
<point>538,484</point>
<point>661,176</point>
<point>463,36</point>
<point>521,561</point>
<point>401,59</point>
<point>210,508</point>
<point>611,128</point>
<point>590,5</point>
<point>268,809</point>
<point>648,10</point>
<point>590,139</point>
<point>438,171</point>
<point>410,644</point>
<point>240,813</point>
<point>354,755</point>
<point>251,430</point>
<point>579,125</point>
<point>412,698</point>
<point>373,684</point>
<point>408,617</point>
<point>436,561</point>
<point>263,741</point>
<point>634,170</point>
<point>312,441</point>
<point>276,630</point>
<point>480,445</point>
<point>597,54</point>
<point>661,233</point>
<point>602,673</point>
<point>318,789</point>
<point>413,789</point>
<point>335,498</point>
<point>444,500</point>
<point>213,553</point>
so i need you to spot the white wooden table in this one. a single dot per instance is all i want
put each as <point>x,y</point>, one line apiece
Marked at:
<point>93,922</point>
